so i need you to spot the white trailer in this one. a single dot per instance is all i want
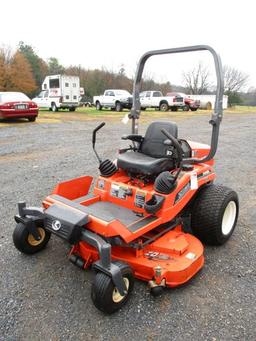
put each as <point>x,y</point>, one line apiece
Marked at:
<point>208,101</point>
<point>59,92</point>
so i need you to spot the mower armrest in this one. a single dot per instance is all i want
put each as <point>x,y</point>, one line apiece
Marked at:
<point>133,137</point>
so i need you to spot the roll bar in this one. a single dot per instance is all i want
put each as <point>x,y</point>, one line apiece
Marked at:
<point>218,110</point>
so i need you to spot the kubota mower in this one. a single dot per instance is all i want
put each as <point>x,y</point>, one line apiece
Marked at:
<point>148,213</point>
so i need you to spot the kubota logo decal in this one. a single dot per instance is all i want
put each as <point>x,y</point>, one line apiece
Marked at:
<point>56,225</point>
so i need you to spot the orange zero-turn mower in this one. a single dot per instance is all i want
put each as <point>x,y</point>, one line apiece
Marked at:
<point>148,213</point>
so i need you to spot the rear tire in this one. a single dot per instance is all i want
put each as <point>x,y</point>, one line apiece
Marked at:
<point>105,295</point>
<point>98,106</point>
<point>25,242</point>
<point>164,107</point>
<point>118,107</point>
<point>186,108</point>
<point>54,107</point>
<point>193,109</point>
<point>72,109</point>
<point>214,214</point>
<point>32,118</point>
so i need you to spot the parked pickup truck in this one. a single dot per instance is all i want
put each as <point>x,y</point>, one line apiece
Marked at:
<point>114,99</point>
<point>190,104</point>
<point>155,99</point>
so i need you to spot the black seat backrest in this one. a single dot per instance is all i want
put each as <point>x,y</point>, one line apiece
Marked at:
<point>153,143</point>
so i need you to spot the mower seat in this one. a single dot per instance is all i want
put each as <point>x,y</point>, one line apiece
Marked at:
<point>151,157</point>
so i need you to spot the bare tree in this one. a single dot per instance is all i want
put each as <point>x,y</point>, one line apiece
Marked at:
<point>197,80</point>
<point>234,79</point>
<point>6,53</point>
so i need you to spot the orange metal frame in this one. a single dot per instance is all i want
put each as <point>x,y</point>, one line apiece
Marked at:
<point>178,255</point>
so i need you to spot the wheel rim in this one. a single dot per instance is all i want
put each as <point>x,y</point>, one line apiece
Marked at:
<point>228,218</point>
<point>32,241</point>
<point>116,296</point>
<point>163,107</point>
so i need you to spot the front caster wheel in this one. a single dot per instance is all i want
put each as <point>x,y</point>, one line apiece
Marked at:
<point>105,295</point>
<point>156,291</point>
<point>26,243</point>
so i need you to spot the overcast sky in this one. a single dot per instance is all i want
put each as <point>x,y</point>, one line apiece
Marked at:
<point>116,33</point>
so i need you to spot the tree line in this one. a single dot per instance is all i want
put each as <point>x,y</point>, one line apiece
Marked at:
<point>23,70</point>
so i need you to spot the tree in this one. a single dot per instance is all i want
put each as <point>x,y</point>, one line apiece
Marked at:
<point>197,80</point>
<point>2,73</point>
<point>38,65</point>
<point>234,81</point>
<point>55,67</point>
<point>19,75</point>
<point>5,57</point>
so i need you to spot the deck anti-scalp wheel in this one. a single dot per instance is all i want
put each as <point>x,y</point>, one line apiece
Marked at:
<point>105,295</point>
<point>26,243</point>
<point>214,214</point>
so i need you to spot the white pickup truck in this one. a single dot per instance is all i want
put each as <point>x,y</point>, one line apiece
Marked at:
<point>114,99</point>
<point>155,99</point>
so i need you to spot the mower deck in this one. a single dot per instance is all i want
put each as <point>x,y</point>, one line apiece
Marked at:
<point>178,256</point>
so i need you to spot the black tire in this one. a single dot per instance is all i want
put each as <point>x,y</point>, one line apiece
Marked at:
<point>25,242</point>
<point>98,106</point>
<point>72,109</point>
<point>156,291</point>
<point>193,109</point>
<point>32,118</point>
<point>164,107</point>
<point>214,214</point>
<point>103,290</point>
<point>118,107</point>
<point>54,107</point>
<point>186,107</point>
<point>174,109</point>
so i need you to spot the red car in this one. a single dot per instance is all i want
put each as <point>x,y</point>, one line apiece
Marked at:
<point>17,105</point>
<point>189,102</point>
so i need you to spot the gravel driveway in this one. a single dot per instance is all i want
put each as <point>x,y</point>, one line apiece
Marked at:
<point>45,297</point>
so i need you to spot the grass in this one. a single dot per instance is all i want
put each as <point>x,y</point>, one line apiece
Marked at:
<point>93,113</point>
<point>242,109</point>
<point>86,114</point>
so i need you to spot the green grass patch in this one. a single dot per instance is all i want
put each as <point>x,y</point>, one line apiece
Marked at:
<point>91,113</point>
<point>242,109</point>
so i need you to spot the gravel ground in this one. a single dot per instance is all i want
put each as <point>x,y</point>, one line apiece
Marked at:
<point>45,297</point>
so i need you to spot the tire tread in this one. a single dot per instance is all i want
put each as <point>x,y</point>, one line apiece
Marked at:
<point>207,213</point>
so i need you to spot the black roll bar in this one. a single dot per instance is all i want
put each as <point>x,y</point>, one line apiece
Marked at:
<point>218,110</point>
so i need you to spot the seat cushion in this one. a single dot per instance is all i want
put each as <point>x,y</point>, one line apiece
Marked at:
<point>153,142</point>
<point>138,163</point>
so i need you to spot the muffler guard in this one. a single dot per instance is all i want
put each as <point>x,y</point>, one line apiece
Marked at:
<point>65,222</point>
